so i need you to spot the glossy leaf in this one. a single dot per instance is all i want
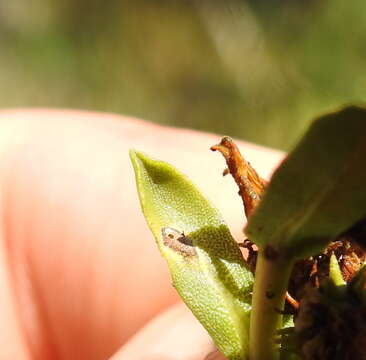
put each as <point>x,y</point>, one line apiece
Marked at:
<point>319,190</point>
<point>205,262</point>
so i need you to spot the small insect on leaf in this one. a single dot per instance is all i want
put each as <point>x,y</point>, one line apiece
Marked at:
<point>177,241</point>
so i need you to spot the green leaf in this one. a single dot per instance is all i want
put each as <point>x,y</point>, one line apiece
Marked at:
<point>335,272</point>
<point>205,262</point>
<point>319,190</point>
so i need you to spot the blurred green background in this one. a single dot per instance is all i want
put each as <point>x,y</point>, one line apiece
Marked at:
<point>256,69</point>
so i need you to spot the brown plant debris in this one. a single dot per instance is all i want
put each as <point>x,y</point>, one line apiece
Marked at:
<point>315,270</point>
<point>331,322</point>
<point>251,186</point>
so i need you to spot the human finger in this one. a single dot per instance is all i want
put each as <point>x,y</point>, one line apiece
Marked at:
<point>85,271</point>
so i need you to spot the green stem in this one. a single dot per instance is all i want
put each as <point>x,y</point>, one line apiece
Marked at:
<point>270,285</point>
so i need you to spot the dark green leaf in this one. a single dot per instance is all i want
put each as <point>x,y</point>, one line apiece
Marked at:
<point>320,189</point>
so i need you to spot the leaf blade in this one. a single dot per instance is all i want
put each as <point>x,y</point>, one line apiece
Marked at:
<point>212,279</point>
<point>319,190</point>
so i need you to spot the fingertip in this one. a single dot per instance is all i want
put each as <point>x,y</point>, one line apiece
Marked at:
<point>172,335</point>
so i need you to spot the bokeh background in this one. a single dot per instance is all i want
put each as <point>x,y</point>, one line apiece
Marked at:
<point>259,70</point>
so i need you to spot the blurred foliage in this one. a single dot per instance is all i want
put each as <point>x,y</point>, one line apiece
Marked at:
<point>254,69</point>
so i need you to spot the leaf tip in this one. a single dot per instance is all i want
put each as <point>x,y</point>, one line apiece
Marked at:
<point>135,156</point>
<point>335,272</point>
<point>140,161</point>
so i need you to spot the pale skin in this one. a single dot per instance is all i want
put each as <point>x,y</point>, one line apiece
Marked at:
<point>80,274</point>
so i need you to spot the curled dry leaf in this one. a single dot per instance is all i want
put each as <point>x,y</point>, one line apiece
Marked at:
<point>251,186</point>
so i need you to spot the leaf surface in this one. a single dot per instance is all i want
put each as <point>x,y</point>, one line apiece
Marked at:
<point>319,190</point>
<point>205,262</point>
